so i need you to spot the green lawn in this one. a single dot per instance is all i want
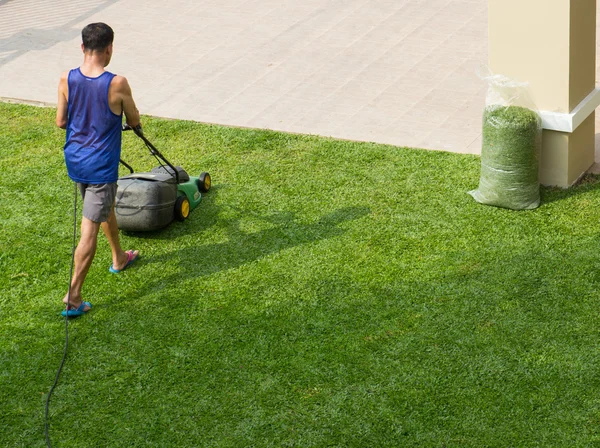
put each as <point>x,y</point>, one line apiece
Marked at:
<point>324,294</point>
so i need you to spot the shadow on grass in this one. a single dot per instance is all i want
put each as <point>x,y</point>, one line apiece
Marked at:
<point>241,248</point>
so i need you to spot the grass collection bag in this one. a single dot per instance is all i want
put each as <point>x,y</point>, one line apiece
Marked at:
<point>510,149</point>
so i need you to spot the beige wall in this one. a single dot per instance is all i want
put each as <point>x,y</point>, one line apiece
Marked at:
<point>551,45</point>
<point>582,149</point>
<point>583,50</point>
<point>529,42</point>
<point>565,157</point>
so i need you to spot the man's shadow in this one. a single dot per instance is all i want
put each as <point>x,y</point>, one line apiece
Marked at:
<point>285,231</point>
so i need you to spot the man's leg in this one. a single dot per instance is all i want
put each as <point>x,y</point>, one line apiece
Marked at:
<point>111,230</point>
<point>84,255</point>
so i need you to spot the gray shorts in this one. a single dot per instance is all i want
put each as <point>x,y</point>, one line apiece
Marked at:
<point>97,200</point>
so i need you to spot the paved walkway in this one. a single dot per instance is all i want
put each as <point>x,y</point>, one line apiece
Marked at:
<point>391,71</point>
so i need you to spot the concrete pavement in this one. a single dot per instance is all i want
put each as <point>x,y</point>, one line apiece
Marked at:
<point>402,72</point>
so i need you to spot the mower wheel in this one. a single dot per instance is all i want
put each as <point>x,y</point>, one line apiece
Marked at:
<point>204,182</point>
<point>182,208</point>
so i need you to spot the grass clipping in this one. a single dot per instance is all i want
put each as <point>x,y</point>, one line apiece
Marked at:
<point>510,158</point>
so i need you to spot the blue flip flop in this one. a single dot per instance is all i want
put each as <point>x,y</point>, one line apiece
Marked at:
<point>76,312</point>
<point>130,259</point>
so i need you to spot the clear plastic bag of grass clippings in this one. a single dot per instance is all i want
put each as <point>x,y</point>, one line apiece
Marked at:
<point>511,145</point>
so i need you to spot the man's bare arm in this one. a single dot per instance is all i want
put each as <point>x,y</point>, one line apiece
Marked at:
<point>122,97</point>
<point>62,105</point>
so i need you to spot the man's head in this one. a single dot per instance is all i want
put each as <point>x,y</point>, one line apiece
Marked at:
<point>97,37</point>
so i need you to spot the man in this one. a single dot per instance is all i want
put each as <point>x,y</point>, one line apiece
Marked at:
<point>91,103</point>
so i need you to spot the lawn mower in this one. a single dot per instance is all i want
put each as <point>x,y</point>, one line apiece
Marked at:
<point>152,200</point>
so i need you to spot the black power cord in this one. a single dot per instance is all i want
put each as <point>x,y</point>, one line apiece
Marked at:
<point>62,363</point>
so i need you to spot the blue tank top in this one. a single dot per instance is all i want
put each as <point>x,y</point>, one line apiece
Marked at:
<point>93,145</point>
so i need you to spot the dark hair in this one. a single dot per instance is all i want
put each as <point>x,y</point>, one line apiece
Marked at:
<point>97,36</point>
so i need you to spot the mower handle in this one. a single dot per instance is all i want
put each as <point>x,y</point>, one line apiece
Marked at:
<point>126,165</point>
<point>155,152</point>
